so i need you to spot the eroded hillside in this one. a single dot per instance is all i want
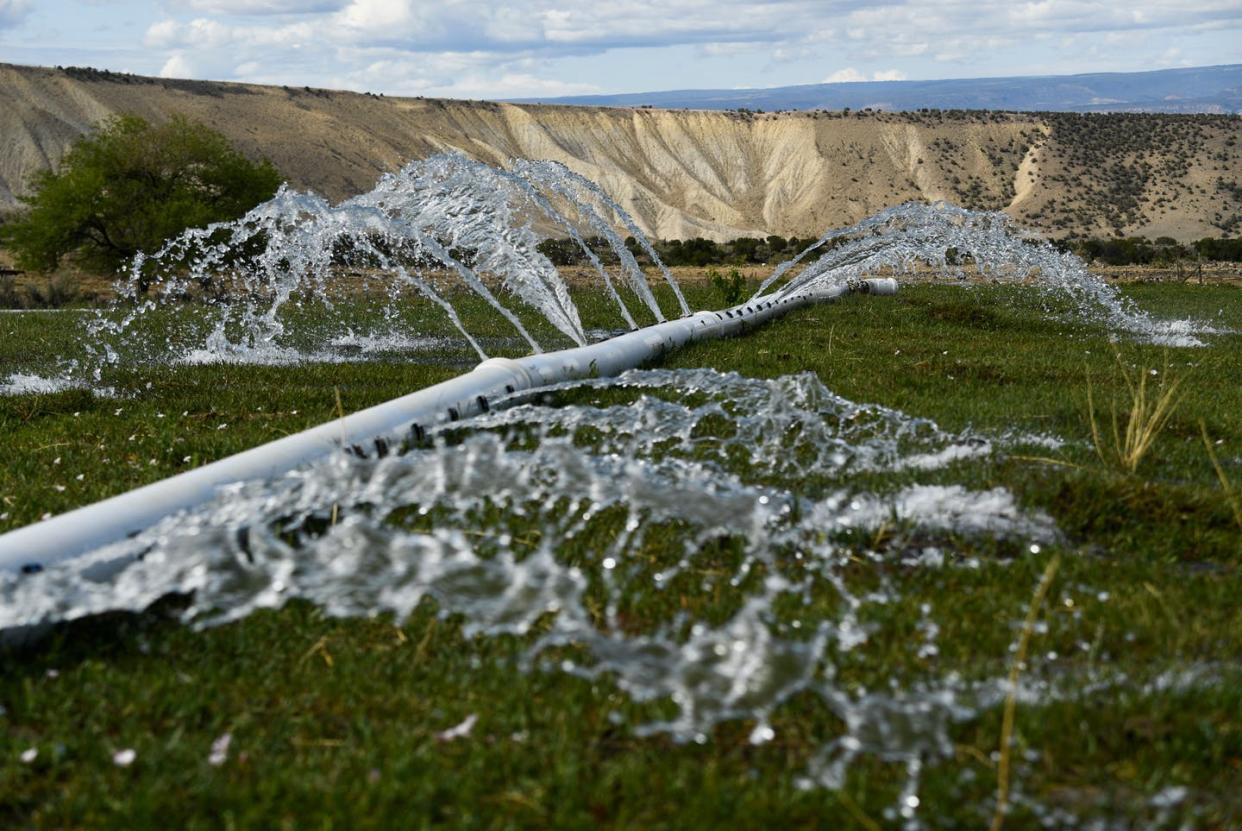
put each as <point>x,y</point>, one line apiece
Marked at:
<point>691,173</point>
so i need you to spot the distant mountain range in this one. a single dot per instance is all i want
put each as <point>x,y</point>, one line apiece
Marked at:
<point>1209,89</point>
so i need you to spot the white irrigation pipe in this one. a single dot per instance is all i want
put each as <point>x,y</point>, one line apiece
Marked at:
<point>35,547</point>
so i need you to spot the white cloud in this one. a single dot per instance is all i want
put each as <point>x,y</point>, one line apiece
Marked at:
<point>727,50</point>
<point>487,48</point>
<point>199,34</point>
<point>852,75</point>
<point>386,16</point>
<point>161,34</point>
<point>845,76</point>
<point>515,85</point>
<point>178,66</point>
<point>261,7</point>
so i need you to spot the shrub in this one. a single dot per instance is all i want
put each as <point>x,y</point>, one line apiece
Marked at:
<point>59,291</point>
<point>9,297</point>
<point>128,187</point>
<point>730,288</point>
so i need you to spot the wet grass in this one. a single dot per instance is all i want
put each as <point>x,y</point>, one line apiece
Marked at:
<point>335,722</point>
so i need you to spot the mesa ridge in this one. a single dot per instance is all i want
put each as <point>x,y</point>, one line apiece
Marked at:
<point>691,173</point>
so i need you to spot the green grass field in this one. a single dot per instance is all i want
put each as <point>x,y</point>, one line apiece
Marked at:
<point>334,722</point>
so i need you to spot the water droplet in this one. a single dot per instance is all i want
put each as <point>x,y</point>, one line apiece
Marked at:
<point>220,750</point>
<point>762,734</point>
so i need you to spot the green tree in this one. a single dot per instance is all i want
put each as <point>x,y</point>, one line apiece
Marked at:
<point>128,187</point>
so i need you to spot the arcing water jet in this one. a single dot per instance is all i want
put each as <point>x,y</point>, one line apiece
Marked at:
<point>36,547</point>
<point>470,221</point>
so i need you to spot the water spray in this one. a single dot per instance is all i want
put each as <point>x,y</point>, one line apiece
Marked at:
<point>374,512</point>
<point>429,213</point>
<point>384,427</point>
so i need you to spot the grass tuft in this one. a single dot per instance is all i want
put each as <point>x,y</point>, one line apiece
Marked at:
<point>1011,698</point>
<point>1149,412</point>
<point>1234,498</point>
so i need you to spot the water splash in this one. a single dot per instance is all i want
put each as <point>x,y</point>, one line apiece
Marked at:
<point>577,498</point>
<point>300,279</point>
<point>943,237</point>
<point>576,187</point>
<point>438,227</point>
<point>554,519</point>
<point>549,522</point>
<point>25,383</point>
<point>345,348</point>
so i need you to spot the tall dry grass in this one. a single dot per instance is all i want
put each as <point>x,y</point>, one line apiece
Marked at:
<point>1234,497</point>
<point>1145,415</point>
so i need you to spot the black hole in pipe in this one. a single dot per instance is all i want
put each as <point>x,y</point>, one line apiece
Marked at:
<point>381,447</point>
<point>453,414</point>
<point>357,450</point>
<point>417,431</point>
<point>483,405</point>
<point>243,543</point>
<point>32,568</point>
<point>509,389</point>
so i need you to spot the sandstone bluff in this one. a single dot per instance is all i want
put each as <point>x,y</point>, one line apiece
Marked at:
<point>686,173</point>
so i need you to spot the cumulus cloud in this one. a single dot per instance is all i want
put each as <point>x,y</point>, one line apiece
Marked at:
<point>519,48</point>
<point>199,34</point>
<point>178,66</point>
<point>262,7</point>
<point>852,75</point>
<point>845,76</point>
<point>563,26</point>
<point>13,12</point>
<point>518,84</point>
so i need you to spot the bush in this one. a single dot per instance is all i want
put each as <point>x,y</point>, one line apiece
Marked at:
<point>130,186</point>
<point>9,298</point>
<point>731,289</point>
<point>58,292</point>
<point>1219,249</point>
<point>1164,251</point>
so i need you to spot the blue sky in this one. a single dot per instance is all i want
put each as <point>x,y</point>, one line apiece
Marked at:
<point>471,49</point>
